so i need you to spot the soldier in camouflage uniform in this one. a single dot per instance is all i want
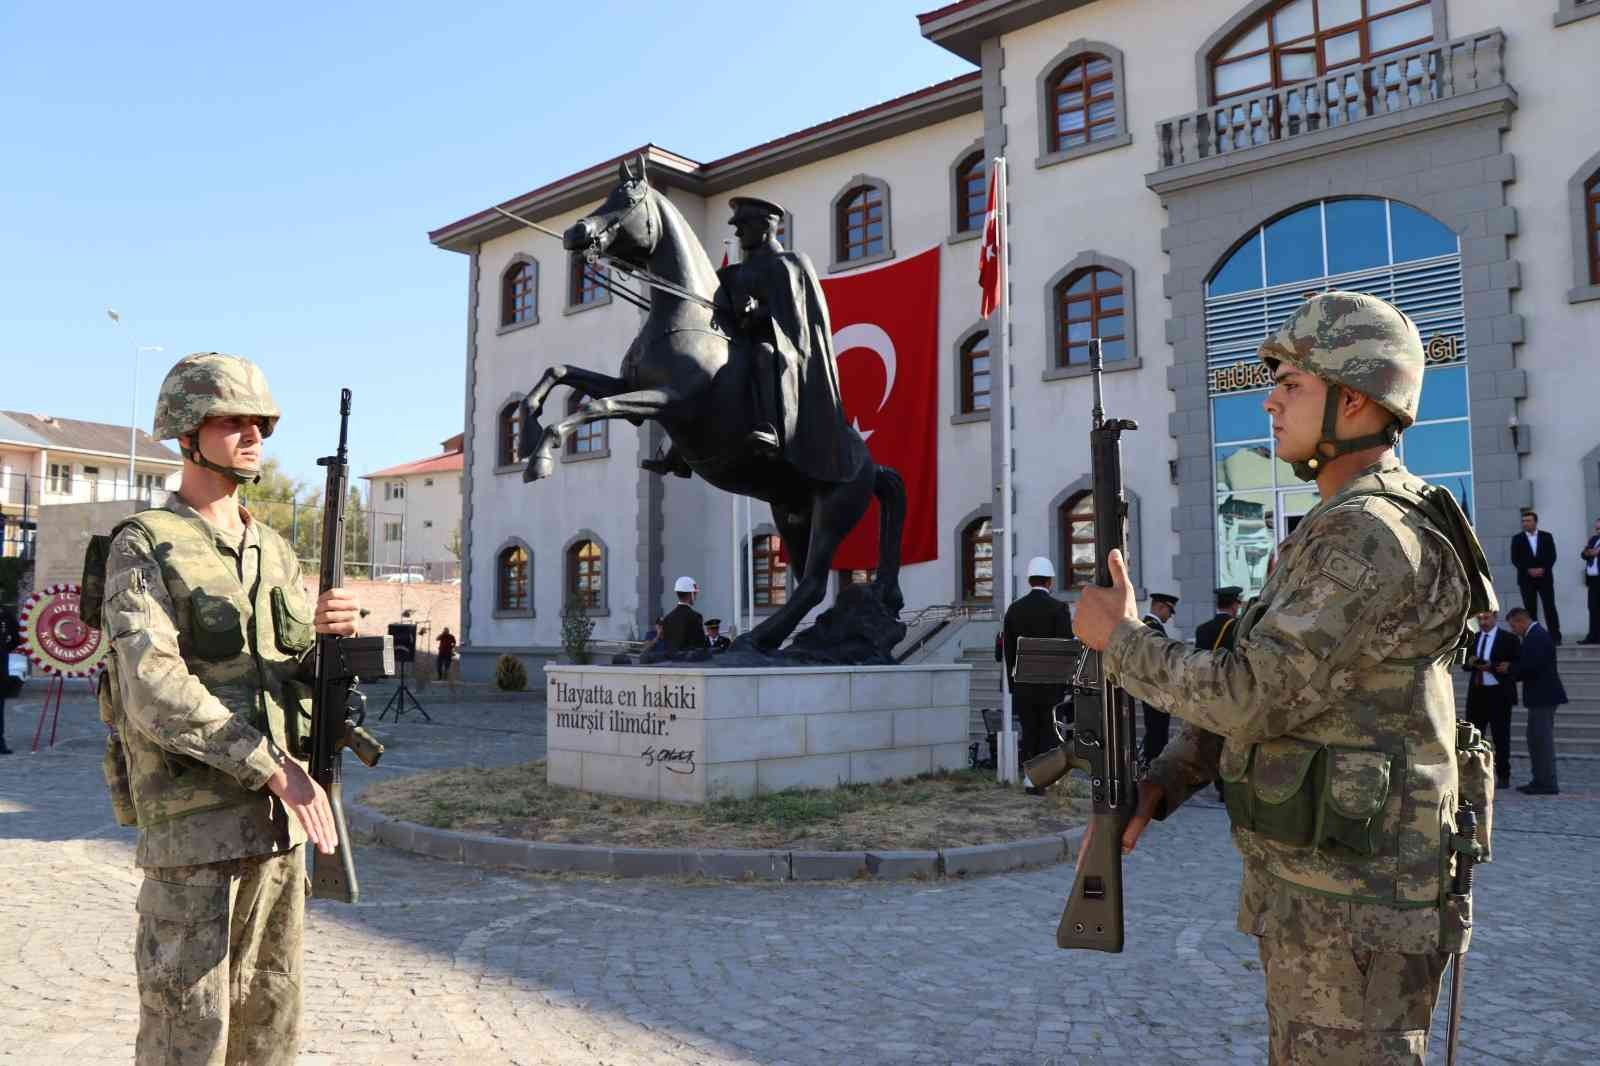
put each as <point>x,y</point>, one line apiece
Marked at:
<point>210,631</point>
<point>1332,720</point>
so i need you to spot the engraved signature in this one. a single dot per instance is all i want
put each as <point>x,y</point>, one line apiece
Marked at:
<point>672,760</point>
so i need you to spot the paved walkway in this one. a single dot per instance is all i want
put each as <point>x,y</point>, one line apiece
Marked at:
<point>445,964</point>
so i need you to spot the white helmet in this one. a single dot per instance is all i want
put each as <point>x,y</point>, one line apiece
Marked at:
<point>1039,566</point>
<point>685,584</point>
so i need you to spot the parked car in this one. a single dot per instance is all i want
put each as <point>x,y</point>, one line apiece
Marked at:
<point>17,665</point>
<point>404,579</point>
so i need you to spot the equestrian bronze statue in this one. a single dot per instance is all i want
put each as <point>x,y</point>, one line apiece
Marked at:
<point>738,368</point>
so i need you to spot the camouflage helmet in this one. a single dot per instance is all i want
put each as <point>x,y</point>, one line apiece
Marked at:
<point>1356,341</point>
<point>208,384</point>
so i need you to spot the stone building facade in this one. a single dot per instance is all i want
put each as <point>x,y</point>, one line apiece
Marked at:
<point>1179,177</point>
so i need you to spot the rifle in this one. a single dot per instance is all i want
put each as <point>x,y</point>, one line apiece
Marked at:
<point>338,705</point>
<point>1102,740</point>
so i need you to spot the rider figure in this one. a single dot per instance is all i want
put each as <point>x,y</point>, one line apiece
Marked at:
<point>772,302</point>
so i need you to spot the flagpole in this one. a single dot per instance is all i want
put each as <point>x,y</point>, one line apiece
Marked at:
<point>1007,763</point>
<point>750,568</point>
<point>733,556</point>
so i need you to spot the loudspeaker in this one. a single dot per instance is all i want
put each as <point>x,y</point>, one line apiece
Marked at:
<point>405,641</point>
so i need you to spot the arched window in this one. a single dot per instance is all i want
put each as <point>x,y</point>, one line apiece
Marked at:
<point>972,192</point>
<point>1077,541</point>
<point>1591,206</point>
<point>512,584</point>
<point>975,374</point>
<point>509,426</point>
<point>1090,303</point>
<point>519,293</point>
<point>771,570</point>
<point>585,575</point>
<point>587,283</point>
<point>977,561</point>
<point>587,439</point>
<point>1082,98</point>
<point>861,224</point>
<point>1299,40</point>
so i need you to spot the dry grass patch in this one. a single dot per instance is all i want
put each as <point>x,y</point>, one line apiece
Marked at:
<point>948,809</point>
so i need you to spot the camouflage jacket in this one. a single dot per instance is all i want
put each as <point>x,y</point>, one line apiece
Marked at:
<point>1337,696</point>
<point>206,629</point>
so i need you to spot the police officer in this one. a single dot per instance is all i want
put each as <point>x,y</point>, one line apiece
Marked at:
<point>1157,723</point>
<point>714,636</point>
<point>1217,632</point>
<point>208,624</point>
<point>683,628</point>
<point>1035,614</point>
<point>1333,715</point>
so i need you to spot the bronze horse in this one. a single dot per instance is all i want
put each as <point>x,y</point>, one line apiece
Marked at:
<point>684,371</point>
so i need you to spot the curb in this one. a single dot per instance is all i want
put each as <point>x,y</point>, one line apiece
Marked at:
<point>475,849</point>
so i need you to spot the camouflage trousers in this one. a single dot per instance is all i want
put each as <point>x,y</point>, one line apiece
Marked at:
<point>1337,1005</point>
<point>218,953</point>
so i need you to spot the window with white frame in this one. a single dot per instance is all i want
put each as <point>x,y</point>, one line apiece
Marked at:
<point>60,477</point>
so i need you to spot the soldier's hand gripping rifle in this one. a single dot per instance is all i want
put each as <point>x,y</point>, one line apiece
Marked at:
<point>338,706</point>
<point>1101,742</point>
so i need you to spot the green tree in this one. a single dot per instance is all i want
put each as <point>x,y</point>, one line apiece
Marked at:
<point>281,501</point>
<point>357,537</point>
<point>453,545</point>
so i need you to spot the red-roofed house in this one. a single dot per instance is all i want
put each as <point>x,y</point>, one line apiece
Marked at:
<point>415,515</point>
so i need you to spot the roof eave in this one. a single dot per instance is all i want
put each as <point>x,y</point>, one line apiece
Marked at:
<point>566,194</point>
<point>962,28</point>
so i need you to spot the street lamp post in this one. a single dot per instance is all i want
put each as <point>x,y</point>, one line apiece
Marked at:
<point>133,414</point>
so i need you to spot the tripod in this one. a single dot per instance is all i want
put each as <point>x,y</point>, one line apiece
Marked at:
<point>397,702</point>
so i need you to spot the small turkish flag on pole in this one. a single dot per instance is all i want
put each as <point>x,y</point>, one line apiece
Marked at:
<point>993,251</point>
<point>725,244</point>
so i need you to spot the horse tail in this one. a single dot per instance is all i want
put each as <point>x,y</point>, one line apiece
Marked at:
<point>890,489</point>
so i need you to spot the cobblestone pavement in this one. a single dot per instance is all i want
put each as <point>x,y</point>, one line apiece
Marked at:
<point>446,964</point>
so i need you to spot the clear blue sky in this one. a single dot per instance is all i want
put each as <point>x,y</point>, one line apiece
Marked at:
<point>261,179</point>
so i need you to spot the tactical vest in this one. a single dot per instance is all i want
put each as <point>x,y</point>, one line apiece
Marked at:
<point>242,644</point>
<point>1359,803</point>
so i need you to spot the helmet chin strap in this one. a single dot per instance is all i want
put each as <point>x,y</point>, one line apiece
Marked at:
<point>1330,447</point>
<point>239,475</point>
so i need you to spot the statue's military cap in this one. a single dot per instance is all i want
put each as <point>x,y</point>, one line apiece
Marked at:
<point>753,205</point>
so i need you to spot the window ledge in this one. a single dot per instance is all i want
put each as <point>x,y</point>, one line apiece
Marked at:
<point>1062,373</point>
<point>1584,293</point>
<point>968,417</point>
<point>504,612</point>
<point>508,468</point>
<point>512,327</point>
<point>584,457</point>
<point>1067,155</point>
<point>1571,13</point>
<point>850,264</point>
<point>963,236</point>
<point>578,309</point>
<point>588,612</point>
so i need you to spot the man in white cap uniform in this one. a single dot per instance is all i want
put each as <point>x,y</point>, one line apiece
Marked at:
<point>1035,614</point>
<point>683,628</point>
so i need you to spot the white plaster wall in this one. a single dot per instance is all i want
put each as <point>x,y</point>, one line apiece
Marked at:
<point>597,495</point>
<point>1552,133</point>
<point>439,503</point>
<point>1096,203</point>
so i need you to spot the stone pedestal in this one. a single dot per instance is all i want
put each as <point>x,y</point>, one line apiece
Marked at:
<point>690,734</point>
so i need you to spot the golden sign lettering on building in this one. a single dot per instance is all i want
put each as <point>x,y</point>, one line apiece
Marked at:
<point>1249,374</point>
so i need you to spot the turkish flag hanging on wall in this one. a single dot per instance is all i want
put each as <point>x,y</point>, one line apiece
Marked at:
<point>886,338</point>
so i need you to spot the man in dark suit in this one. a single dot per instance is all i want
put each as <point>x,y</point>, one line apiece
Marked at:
<point>714,636</point>
<point>1035,614</point>
<point>1591,577</point>
<point>1542,693</point>
<point>1533,553</point>
<point>683,628</point>
<point>10,640</point>
<point>1157,724</point>
<point>1209,636</point>
<point>1491,692</point>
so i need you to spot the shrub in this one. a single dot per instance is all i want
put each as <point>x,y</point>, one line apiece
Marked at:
<point>510,675</point>
<point>577,631</point>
